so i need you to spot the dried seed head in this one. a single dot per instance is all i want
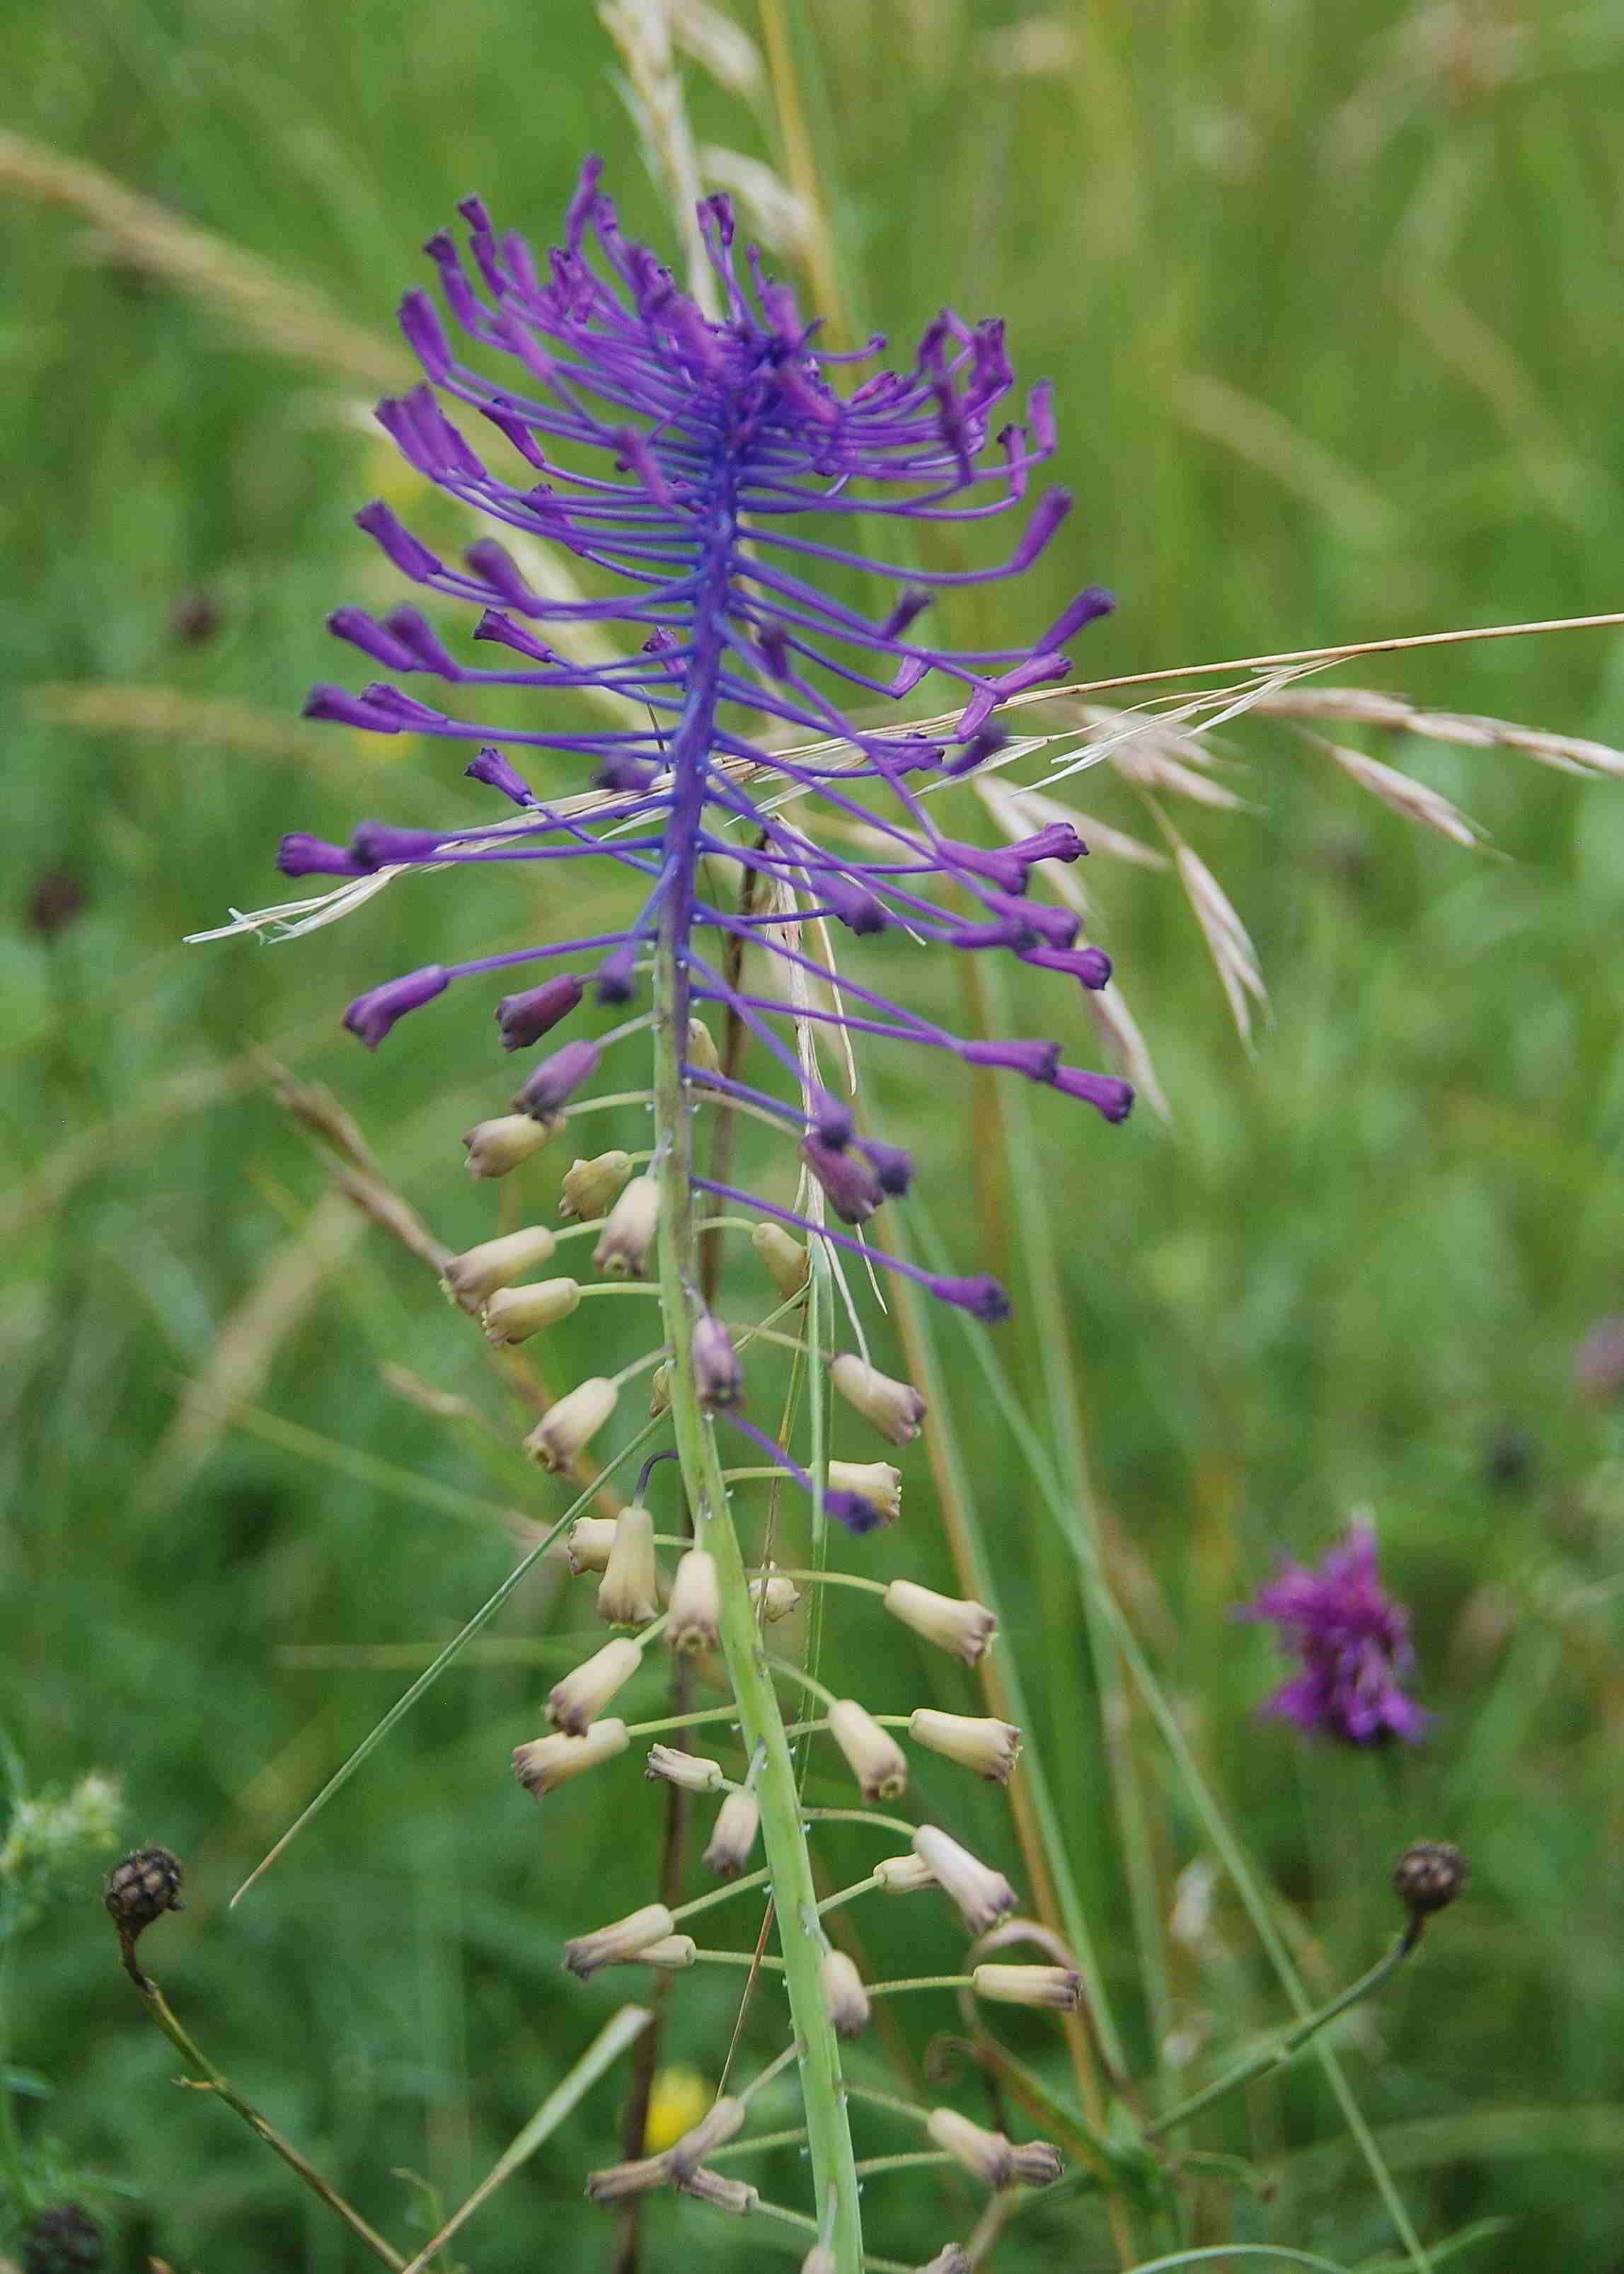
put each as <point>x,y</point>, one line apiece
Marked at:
<point>620,2182</point>
<point>695,1603</point>
<point>873,1482</point>
<point>964,1627</point>
<point>844,1995</point>
<point>982,1894</point>
<point>570,1425</point>
<point>496,1146</point>
<point>721,2193</point>
<point>775,1596</point>
<point>1056,1986</point>
<point>783,1259</point>
<point>718,2124</point>
<point>904,1875</point>
<point>63,2240</point>
<point>718,1376</point>
<point>551,1761</point>
<point>737,1822</point>
<point>618,1942</point>
<point>513,1314</point>
<point>579,1697</point>
<point>627,1597</point>
<point>471,1278</point>
<point>671,1954</point>
<point>142,1886</point>
<point>987,1747</point>
<point>895,1408</point>
<point>623,1244</point>
<point>590,1543</point>
<point>692,1770</point>
<point>591,1186</point>
<point>1428,1876</point>
<point>873,1755</point>
<point>702,1051</point>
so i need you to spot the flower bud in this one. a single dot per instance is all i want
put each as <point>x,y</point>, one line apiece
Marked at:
<point>783,1259</point>
<point>471,1278</point>
<point>981,1893</point>
<point>525,1019</point>
<point>775,1596</point>
<point>514,1313</point>
<point>720,2121</point>
<point>627,1597</point>
<point>623,1244</point>
<point>556,1080</point>
<point>578,1699</point>
<point>620,2182</point>
<point>692,1770</point>
<point>987,1747</point>
<point>854,1191</point>
<point>734,2195</point>
<point>718,1376</point>
<point>568,1426</point>
<point>877,1482</point>
<point>590,1543</point>
<point>737,1822</point>
<point>1056,1986</point>
<point>1428,1876</point>
<point>844,1995</point>
<point>672,1953</point>
<point>615,1944</point>
<point>143,1886</point>
<point>702,1051</point>
<point>695,1603</point>
<point>495,1147</point>
<point>659,1391</point>
<point>965,1628</point>
<point>904,1875</point>
<point>591,1186</point>
<point>993,2158</point>
<point>552,1761</point>
<point>874,1758</point>
<point>895,1409</point>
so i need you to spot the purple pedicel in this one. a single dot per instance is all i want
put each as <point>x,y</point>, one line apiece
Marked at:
<point>1353,1641</point>
<point>703,472</point>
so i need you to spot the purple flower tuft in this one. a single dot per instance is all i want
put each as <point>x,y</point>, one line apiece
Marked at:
<point>525,1019</point>
<point>1353,1642</point>
<point>371,1016</point>
<point>299,855</point>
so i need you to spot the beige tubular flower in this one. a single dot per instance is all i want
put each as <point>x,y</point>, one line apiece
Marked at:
<point>720,2121</point>
<point>904,1875</point>
<point>623,1244</point>
<point>578,1699</point>
<point>783,1259</point>
<point>671,1954</point>
<point>514,1313</point>
<point>589,1542</point>
<point>998,2161</point>
<point>775,1596</point>
<point>1055,1986</point>
<point>622,1940</point>
<point>987,1747</point>
<point>965,1628</point>
<point>876,1481</point>
<point>708,2187</point>
<point>844,1995</point>
<point>659,1391</point>
<point>496,1146</point>
<point>702,1051</point>
<point>619,2182</point>
<point>895,1408</point>
<point>695,1603</point>
<point>872,1754</point>
<point>692,1770</point>
<point>737,1822</point>
<point>570,1425</point>
<point>552,1761</point>
<point>471,1278</point>
<point>627,1597</point>
<point>591,1186</point>
<point>981,1893</point>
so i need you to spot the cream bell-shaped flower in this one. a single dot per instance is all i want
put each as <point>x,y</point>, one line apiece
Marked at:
<point>621,1940</point>
<point>692,1770</point>
<point>783,1259</point>
<point>844,1995</point>
<point>695,1604</point>
<point>904,1875</point>
<point>552,1761</point>
<point>591,1186</point>
<point>578,1699</point>
<point>496,1146</point>
<point>964,1627</point>
<point>982,1894</point>
<point>998,2161</point>
<point>702,1051</point>
<point>627,1595</point>
<point>775,1596</point>
<point>513,1315</point>
<point>589,1542</point>
<point>572,1423</point>
<point>1058,1987</point>
<point>895,1408</point>
<point>472,1277</point>
<point>872,1754</point>
<point>672,1953</point>
<point>876,1481</point>
<point>737,1822</point>
<point>623,1244</point>
<point>987,1747</point>
<point>715,2128</point>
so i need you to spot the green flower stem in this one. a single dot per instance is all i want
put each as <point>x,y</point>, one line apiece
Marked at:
<point>682,1721</point>
<point>819,1690</point>
<point>858,1816</point>
<point>870,2164</point>
<point>842,1579</point>
<point>738,1958</point>
<point>790,2138</point>
<point>847,1896</point>
<point>760,1720</point>
<point>1273,2055</point>
<point>720,1894</point>
<point>919,1982</point>
<point>875,2099</point>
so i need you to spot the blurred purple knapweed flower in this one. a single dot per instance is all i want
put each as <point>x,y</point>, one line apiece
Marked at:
<point>687,463</point>
<point>1354,1643</point>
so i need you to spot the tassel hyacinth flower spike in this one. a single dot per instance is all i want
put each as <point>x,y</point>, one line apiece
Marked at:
<point>685,463</point>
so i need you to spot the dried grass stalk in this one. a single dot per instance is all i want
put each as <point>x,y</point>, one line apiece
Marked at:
<point>1228,942</point>
<point>1365,706</point>
<point>1406,795</point>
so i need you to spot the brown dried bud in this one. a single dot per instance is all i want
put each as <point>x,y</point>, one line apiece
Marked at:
<point>694,1772</point>
<point>619,2182</point>
<point>567,1426</point>
<point>1428,1876</point>
<point>142,1887</point>
<point>998,2161</point>
<point>953,2259</point>
<point>775,1596</point>
<point>734,2195</point>
<point>951,1622</point>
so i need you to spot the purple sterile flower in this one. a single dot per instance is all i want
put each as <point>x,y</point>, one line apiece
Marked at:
<point>705,471</point>
<point>299,855</point>
<point>717,1375</point>
<point>371,1016</point>
<point>1353,1642</point>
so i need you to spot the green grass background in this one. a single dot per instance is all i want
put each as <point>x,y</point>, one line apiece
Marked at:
<point>1355,1272</point>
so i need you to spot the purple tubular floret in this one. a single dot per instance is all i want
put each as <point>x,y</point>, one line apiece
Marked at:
<point>1038,1061</point>
<point>371,1016</point>
<point>983,1297</point>
<point>376,845</point>
<point>299,855</point>
<point>1107,1094</point>
<point>854,1191</point>
<point>1091,965</point>
<point>525,1019</point>
<point>556,1080</point>
<point>491,768</point>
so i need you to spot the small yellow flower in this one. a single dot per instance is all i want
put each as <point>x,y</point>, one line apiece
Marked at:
<point>677,2099</point>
